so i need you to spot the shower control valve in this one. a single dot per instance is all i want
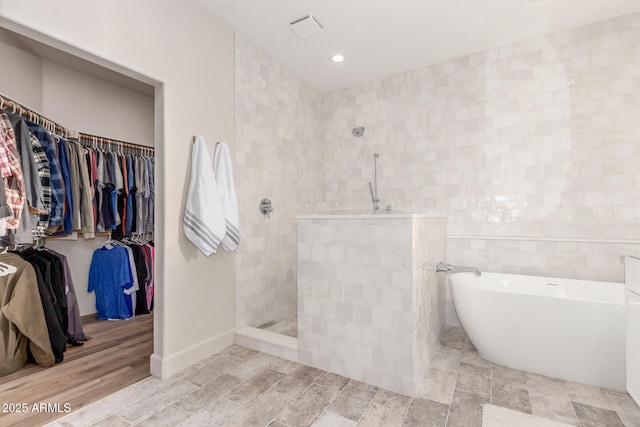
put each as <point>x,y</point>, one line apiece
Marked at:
<point>265,207</point>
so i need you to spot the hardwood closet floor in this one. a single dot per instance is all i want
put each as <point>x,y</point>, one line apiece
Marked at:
<point>116,357</point>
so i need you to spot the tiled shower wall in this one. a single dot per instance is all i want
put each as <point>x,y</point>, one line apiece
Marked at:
<point>429,309</point>
<point>530,149</point>
<point>278,140</point>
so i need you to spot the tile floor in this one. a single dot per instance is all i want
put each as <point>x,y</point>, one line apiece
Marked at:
<point>243,387</point>
<point>288,325</point>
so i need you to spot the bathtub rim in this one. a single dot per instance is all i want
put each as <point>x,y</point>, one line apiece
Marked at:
<point>471,276</point>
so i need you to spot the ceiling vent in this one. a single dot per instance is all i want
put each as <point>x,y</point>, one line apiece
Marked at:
<point>306,27</point>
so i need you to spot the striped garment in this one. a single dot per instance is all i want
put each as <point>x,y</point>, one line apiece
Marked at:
<point>42,164</point>
<point>204,221</point>
<point>14,184</point>
<point>56,184</point>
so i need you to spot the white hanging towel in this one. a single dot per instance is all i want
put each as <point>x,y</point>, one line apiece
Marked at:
<point>204,222</point>
<point>224,177</point>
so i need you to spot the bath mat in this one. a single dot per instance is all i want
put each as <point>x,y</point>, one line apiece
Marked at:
<point>497,416</point>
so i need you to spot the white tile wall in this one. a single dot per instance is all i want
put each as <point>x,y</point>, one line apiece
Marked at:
<point>428,306</point>
<point>530,150</point>
<point>278,141</point>
<point>368,312</point>
<point>536,139</point>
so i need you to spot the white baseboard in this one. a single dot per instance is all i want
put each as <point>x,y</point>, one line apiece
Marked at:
<point>633,397</point>
<point>165,367</point>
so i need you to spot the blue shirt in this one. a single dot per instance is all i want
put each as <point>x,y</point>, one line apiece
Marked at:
<point>130,178</point>
<point>66,176</point>
<point>109,275</point>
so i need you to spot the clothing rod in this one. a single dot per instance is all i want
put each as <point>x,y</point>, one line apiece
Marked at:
<point>93,138</point>
<point>62,131</point>
<point>33,116</point>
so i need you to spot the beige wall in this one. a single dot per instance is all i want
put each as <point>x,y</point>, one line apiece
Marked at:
<point>21,81</point>
<point>95,106</point>
<point>182,46</point>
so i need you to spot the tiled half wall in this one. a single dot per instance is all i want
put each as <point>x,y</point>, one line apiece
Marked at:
<point>370,304</point>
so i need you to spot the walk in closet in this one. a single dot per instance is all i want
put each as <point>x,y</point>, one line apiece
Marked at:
<point>99,121</point>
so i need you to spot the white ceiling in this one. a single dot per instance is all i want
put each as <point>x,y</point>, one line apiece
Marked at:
<point>384,37</point>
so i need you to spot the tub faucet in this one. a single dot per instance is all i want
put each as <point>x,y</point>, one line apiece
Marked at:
<point>443,266</point>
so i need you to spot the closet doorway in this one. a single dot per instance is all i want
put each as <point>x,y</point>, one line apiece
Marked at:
<point>93,98</point>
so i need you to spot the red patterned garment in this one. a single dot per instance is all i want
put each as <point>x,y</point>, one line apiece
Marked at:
<point>11,172</point>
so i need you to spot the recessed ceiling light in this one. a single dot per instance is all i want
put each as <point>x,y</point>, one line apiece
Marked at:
<point>337,58</point>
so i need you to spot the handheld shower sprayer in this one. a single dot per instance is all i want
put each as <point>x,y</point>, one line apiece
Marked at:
<point>374,188</point>
<point>373,197</point>
<point>358,132</point>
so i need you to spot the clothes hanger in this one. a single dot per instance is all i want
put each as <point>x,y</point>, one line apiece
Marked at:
<point>109,243</point>
<point>37,245</point>
<point>5,268</point>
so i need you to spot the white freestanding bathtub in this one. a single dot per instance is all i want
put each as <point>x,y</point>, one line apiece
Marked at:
<point>568,329</point>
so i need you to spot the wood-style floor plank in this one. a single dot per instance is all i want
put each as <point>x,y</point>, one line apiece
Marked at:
<point>116,357</point>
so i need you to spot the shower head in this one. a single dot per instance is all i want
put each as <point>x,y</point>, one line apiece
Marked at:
<point>358,131</point>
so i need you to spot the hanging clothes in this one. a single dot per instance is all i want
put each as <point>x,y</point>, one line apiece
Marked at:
<point>50,185</point>
<point>85,205</point>
<point>76,194</point>
<point>65,167</point>
<point>109,276</point>
<point>12,173</point>
<point>151,190</point>
<point>142,273</point>
<point>149,286</point>
<point>23,328</point>
<point>130,196</point>
<point>74,329</point>
<point>5,209</point>
<point>141,205</point>
<point>51,305</point>
<point>56,210</point>
<point>34,205</point>
<point>44,174</point>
